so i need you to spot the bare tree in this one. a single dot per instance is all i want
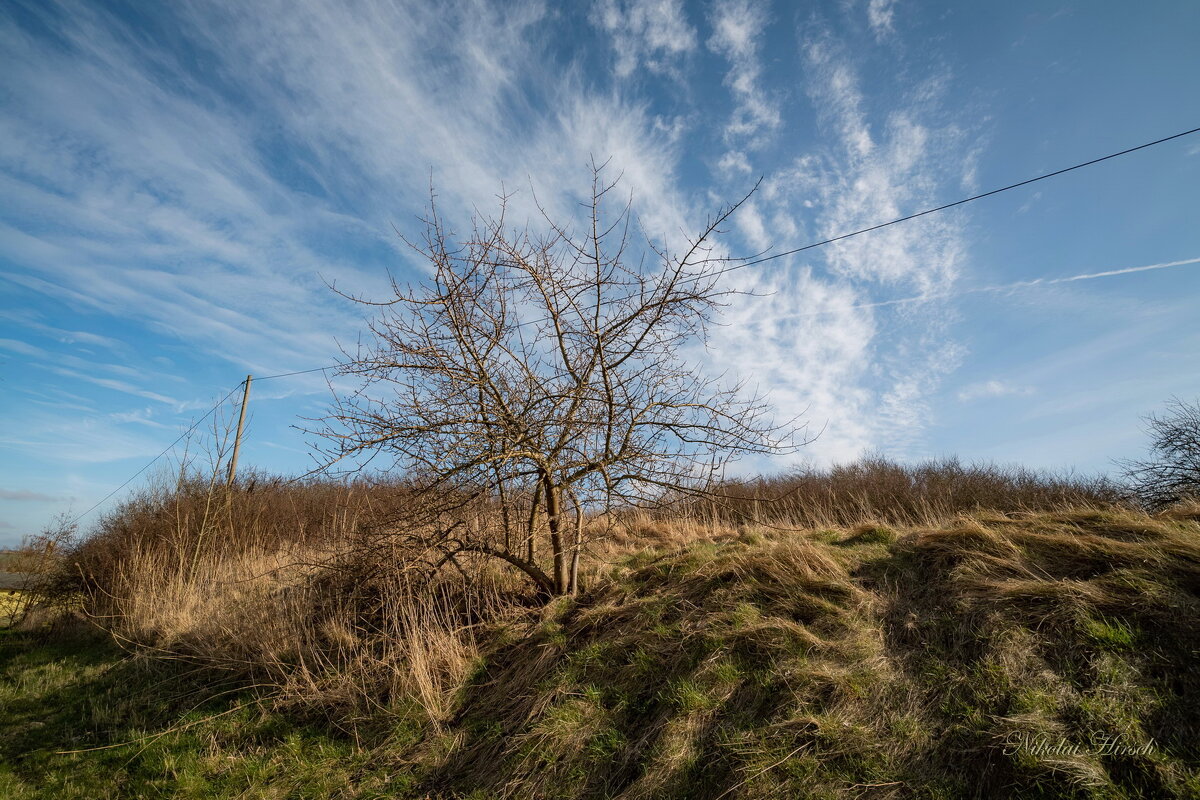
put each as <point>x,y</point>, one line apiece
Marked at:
<point>1172,472</point>
<point>542,377</point>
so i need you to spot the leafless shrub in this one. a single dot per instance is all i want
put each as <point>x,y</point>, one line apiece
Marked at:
<point>186,522</point>
<point>1172,472</point>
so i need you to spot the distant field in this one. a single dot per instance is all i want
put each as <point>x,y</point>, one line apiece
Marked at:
<point>10,603</point>
<point>10,584</point>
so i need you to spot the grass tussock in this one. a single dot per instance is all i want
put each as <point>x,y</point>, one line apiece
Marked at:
<point>1004,652</point>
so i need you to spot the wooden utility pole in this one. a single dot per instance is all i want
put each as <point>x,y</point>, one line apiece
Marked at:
<point>237,440</point>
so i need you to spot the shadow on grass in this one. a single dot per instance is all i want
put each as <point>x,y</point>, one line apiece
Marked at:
<point>683,681</point>
<point>1062,662</point>
<point>82,719</point>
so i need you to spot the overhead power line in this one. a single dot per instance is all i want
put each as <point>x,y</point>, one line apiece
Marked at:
<point>965,200</point>
<point>166,450</point>
<point>297,372</point>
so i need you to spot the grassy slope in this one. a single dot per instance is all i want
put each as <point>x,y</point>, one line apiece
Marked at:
<point>992,658</point>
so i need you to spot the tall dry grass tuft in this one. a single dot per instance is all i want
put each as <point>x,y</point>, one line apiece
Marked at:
<point>297,589</point>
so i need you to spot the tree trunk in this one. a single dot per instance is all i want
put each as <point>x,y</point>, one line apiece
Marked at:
<point>531,530</point>
<point>562,576</point>
<point>573,588</point>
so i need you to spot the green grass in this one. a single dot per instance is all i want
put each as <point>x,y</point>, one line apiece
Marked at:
<point>81,719</point>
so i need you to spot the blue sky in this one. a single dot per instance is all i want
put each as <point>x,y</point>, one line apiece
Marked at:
<point>180,180</point>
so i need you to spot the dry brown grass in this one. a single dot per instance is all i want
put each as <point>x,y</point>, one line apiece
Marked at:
<point>290,622</point>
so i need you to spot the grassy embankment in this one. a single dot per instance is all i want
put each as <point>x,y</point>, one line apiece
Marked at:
<point>1046,653</point>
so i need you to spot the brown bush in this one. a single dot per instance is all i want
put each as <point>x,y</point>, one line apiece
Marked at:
<point>197,520</point>
<point>875,489</point>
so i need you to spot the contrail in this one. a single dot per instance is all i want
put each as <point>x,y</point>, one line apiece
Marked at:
<point>1124,271</point>
<point>1088,276</point>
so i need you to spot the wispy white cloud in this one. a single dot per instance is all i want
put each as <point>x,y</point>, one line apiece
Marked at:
<point>140,416</point>
<point>738,27</point>
<point>1015,286</point>
<point>880,16</point>
<point>1030,203</point>
<point>733,162</point>
<point>22,348</point>
<point>813,372</point>
<point>29,321</point>
<point>653,34</point>
<point>84,439</point>
<point>881,173</point>
<point>833,362</point>
<point>183,216</point>
<point>115,385</point>
<point>992,388</point>
<point>753,226</point>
